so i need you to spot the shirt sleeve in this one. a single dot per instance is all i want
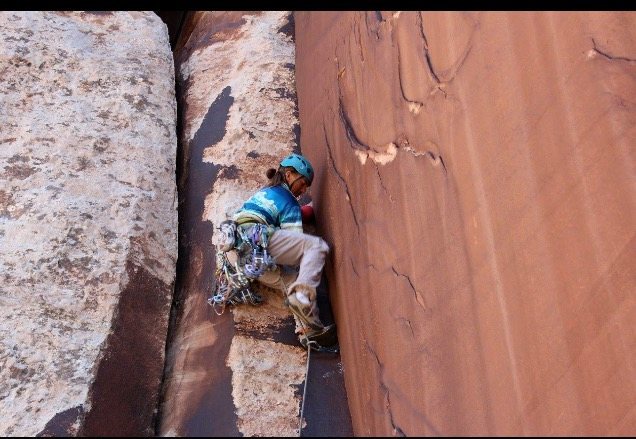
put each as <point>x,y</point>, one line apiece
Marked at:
<point>290,218</point>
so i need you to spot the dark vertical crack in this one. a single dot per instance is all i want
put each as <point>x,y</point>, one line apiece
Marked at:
<point>418,296</point>
<point>441,160</point>
<point>426,52</point>
<point>359,39</point>
<point>351,134</point>
<point>341,179</point>
<point>457,65</point>
<point>400,79</point>
<point>408,324</point>
<point>353,268</point>
<point>377,170</point>
<point>397,431</point>
<point>378,17</point>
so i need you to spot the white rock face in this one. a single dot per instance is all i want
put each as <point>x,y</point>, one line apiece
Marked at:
<point>255,64</point>
<point>87,184</point>
<point>252,63</point>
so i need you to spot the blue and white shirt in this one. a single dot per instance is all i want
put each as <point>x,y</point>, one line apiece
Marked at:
<point>275,206</point>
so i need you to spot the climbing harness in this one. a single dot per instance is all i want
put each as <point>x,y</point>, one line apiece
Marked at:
<point>234,281</point>
<point>256,261</point>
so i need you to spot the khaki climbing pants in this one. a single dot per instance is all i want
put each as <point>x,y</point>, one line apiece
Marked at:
<point>308,253</point>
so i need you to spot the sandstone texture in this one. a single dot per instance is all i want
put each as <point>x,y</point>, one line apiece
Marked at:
<point>88,220</point>
<point>476,183</point>
<point>230,374</point>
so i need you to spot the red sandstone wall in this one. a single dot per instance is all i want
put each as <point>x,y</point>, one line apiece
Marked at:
<point>475,180</point>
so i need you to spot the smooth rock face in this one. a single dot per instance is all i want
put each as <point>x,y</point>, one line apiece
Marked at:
<point>475,180</point>
<point>228,375</point>
<point>88,220</point>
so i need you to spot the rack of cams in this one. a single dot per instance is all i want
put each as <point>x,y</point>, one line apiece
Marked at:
<point>232,286</point>
<point>233,282</point>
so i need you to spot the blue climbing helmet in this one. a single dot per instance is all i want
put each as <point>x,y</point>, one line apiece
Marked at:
<point>301,165</point>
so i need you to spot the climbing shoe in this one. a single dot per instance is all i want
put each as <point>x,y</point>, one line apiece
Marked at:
<point>302,309</point>
<point>321,338</point>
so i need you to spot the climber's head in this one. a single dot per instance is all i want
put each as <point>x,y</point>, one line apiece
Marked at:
<point>301,165</point>
<point>298,173</point>
<point>295,171</point>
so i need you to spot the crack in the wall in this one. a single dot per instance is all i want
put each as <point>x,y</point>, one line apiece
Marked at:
<point>418,296</point>
<point>427,55</point>
<point>397,431</point>
<point>439,88</point>
<point>353,268</point>
<point>608,56</point>
<point>377,170</point>
<point>358,37</point>
<point>414,106</point>
<point>408,324</point>
<point>460,61</point>
<point>351,134</point>
<point>436,159</point>
<point>341,179</point>
<point>380,20</point>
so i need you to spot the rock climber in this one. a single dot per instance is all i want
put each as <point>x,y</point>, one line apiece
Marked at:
<point>299,257</point>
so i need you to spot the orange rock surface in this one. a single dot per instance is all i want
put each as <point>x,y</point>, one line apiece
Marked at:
<point>475,181</point>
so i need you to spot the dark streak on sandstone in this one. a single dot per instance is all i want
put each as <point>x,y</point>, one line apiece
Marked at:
<point>196,180</point>
<point>61,425</point>
<point>125,393</point>
<point>200,31</point>
<point>289,27</point>
<point>230,173</point>
<point>280,333</point>
<point>296,130</point>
